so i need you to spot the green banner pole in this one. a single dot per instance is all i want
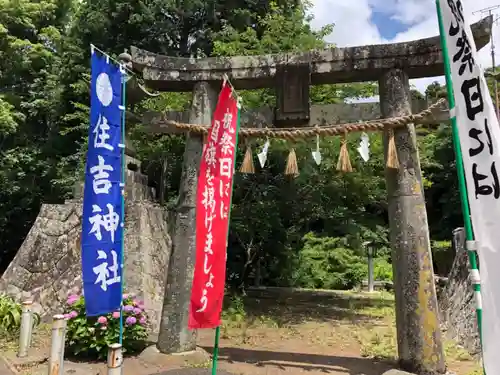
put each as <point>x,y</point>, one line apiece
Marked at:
<point>469,234</point>
<point>215,355</point>
<point>122,190</point>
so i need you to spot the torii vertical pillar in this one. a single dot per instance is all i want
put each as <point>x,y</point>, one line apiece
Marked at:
<point>418,332</point>
<point>174,336</point>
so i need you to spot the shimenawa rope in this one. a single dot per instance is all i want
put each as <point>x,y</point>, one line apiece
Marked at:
<point>293,134</point>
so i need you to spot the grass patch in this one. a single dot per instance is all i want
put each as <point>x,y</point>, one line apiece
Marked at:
<point>455,352</point>
<point>9,341</point>
<point>378,342</point>
<point>478,371</point>
<point>206,364</point>
<point>378,339</point>
<point>380,309</point>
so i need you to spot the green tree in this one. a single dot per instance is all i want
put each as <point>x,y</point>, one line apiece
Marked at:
<point>438,165</point>
<point>492,75</point>
<point>435,91</point>
<point>320,200</point>
<point>284,30</point>
<point>30,37</point>
<point>329,263</point>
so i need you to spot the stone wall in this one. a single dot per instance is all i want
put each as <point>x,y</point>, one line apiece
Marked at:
<point>458,314</point>
<point>48,265</point>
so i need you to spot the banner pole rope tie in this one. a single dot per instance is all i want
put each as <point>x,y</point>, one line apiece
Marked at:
<point>128,70</point>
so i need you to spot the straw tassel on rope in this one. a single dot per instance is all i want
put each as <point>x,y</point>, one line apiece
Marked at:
<point>247,166</point>
<point>344,163</point>
<point>392,154</point>
<point>292,169</point>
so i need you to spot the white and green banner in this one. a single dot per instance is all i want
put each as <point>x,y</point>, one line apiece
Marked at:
<point>479,135</point>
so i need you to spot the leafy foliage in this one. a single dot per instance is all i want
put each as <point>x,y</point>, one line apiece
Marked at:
<point>30,33</point>
<point>235,310</point>
<point>443,256</point>
<point>10,316</point>
<point>329,263</point>
<point>382,270</point>
<point>91,337</point>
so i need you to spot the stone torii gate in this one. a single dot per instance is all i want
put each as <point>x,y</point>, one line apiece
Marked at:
<point>291,74</point>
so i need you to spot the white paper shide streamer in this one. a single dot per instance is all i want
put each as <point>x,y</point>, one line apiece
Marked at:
<point>263,154</point>
<point>317,154</point>
<point>364,147</point>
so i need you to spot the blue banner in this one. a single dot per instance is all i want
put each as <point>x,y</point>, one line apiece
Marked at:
<point>102,227</point>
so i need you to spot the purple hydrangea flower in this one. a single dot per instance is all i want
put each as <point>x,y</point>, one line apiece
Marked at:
<point>72,299</point>
<point>67,316</point>
<point>102,320</point>
<point>130,320</point>
<point>137,311</point>
<point>128,308</point>
<point>73,314</point>
<point>142,321</point>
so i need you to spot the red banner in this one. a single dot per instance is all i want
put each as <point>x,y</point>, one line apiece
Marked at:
<point>213,201</point>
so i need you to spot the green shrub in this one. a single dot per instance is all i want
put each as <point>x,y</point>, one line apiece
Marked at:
<point>327,262</point>
<point>92,336</point>
<point>382,269</point>
<point>443,256</point>
<point>234,315</point>
<point>235,310</point>
<point>10,315</point>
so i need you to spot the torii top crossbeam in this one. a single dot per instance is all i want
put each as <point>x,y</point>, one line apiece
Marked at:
<point>419,58</point>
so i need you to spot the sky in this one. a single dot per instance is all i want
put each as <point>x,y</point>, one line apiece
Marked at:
<point>392,21</point>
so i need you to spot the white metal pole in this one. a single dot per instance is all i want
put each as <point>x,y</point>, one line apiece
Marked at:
<point>56,362</point>
<point>26,328</point>
<point>115,359</point>
<point>371,281</point>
